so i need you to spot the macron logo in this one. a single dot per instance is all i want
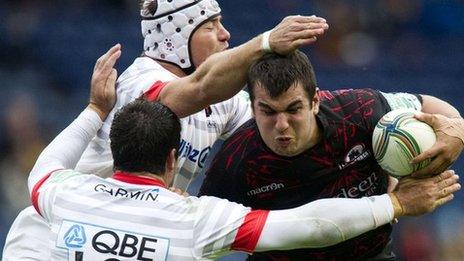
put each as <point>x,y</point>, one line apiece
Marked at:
<point>267,188</point>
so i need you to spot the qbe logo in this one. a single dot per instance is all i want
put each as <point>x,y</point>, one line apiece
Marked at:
<point>90,242</point>
<point>75,237</point>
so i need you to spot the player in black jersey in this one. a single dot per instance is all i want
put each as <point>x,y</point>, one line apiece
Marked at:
<point>304,144</point>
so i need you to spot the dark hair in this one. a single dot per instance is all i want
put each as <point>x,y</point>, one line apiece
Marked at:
<point>142,135</point>
<point>277,73</point>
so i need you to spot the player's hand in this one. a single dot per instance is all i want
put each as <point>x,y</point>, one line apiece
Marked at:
<point>444,152</point>
<point>392,183</point>
<point>179,191</point>
<point>415,196</point>
<point>296,31</point>
<point>103,83</point>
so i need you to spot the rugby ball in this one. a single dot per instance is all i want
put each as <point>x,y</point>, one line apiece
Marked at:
<point>397,138</point>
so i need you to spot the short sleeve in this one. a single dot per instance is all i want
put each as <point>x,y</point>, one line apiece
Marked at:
<point>402,100</point>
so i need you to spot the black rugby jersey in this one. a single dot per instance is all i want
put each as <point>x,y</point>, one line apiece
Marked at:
<point>342,164</point>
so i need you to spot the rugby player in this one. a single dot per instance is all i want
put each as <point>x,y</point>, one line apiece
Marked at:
<point>306,144</point>
<point>132,215</point>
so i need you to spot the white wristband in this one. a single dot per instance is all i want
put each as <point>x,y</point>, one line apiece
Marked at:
<point>265,45</point>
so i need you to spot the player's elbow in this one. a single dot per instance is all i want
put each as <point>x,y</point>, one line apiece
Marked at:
<point>322,233</point>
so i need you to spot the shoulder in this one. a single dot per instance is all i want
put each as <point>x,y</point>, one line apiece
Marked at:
<point>141,75</point>
<point>351,101</point>
<point>25,238</point>
<point>246,132</point>
<point>348,95</point>
<point>358,106</point>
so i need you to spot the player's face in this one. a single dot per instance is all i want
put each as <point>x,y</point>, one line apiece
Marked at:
<point>208,39</point>
<point>287,124</point>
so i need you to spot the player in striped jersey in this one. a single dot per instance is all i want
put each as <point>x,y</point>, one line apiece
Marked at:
<point>173,56</point>
<point>132,216</point>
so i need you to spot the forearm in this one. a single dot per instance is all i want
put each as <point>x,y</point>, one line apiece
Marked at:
<point>434,105</point>
<point>324,222</point>
<point>66,149</point>
<point>219,78</point>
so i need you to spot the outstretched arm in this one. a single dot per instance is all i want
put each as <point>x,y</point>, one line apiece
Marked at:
<point>328,222</point>
<point>66,149</point>
<point>224,74</point>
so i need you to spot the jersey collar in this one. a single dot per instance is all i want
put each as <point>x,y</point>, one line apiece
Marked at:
<point>137,180</point>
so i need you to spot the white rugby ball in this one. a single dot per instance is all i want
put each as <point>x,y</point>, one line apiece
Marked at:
<point>398,137</point>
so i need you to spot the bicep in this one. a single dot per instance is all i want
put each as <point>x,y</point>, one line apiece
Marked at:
<point>183,96</point>
<point>434,105</point>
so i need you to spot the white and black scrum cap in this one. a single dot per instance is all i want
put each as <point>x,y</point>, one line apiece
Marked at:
<point>168,29</point>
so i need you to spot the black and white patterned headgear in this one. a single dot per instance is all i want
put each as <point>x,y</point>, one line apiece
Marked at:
<point>167,30</point>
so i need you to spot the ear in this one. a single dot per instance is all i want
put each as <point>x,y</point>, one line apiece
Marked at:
<point>171,161</point>
<point>316,101</point>
<point>170,166</point>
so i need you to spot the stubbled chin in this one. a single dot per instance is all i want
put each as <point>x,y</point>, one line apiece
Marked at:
<point>287,151</point>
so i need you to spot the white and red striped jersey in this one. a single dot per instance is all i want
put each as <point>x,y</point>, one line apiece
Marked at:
<point>128,217</point>
<point>199,131</point>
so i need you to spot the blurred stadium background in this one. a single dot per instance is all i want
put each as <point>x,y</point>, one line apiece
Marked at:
<point>48,48</point>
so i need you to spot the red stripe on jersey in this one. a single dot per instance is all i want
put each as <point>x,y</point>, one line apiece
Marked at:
<point>35,191</point>
<point>249,232</point>
<point>154,91</point>
<point>138,180</point>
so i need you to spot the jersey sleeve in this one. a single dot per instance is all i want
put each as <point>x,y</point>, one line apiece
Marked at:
<point>402,100</point>
<point>222,226</point>
<point>240,113</point>
<point>43,194</point>
<point>153,92</point>
<point>367,106</point>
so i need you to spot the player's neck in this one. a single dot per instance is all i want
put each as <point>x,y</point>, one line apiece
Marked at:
<point>150,175</point>
<point>173,69</point>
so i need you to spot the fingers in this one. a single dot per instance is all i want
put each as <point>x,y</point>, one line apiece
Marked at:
<point>428,154</point>
<point>444,200</point>
<point>295,31</point>
<point>443,176</point>
<point>447,184</point>
<point>111,81</point>
<point>107,64</point>
<point>302,42</point>
<point>428,118</point>
<point>179,191</point>
<point>392,183</point>
<point>436,166</point>
<point>107,56</point>
<point>305,19</point>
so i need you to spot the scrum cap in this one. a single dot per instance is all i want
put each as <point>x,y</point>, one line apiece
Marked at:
<point>168,29</point>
